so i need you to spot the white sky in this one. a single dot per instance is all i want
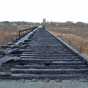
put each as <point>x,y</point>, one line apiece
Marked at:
<point>36,10</point>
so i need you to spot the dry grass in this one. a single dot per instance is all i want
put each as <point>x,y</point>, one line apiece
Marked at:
<point>7,36</point>
<point>76,41</point>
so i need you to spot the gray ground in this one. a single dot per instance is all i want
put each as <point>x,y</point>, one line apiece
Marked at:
<point>43,84</point>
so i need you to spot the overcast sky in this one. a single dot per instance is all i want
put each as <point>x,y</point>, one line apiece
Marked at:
<point>36,10</point>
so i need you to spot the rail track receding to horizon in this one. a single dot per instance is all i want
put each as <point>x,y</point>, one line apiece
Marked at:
<point>40,55</point>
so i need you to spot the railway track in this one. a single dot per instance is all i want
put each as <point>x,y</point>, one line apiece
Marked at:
<point>40,55</point>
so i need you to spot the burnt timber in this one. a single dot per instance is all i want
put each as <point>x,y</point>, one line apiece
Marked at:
<point>40,55</point>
